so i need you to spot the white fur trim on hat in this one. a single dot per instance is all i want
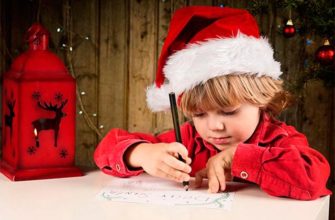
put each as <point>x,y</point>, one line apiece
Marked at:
<point>202,61</point>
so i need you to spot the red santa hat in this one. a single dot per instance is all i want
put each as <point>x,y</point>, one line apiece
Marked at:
<point>204,42</point>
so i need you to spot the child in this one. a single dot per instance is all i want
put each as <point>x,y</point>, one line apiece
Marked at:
<point>228,85</point>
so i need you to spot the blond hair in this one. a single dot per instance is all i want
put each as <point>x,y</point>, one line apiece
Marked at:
<point>230,90</point>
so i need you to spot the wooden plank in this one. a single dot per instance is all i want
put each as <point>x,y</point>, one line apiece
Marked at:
<point>200,2</point>
<point>20,19</point>
<point>175,4</point>
<point>113,64</point>
<point>263,21</point>
<point>282,53</point>
<point>163,119</point>
<point>3,46</point>
<point>142,56</point>
<point>290,66</point>
<point>316,119</point>
<point>234,4</point>
<point>280,48</point>
<point>2,55</point>
<point>51,17</point>
<point>84,26</point>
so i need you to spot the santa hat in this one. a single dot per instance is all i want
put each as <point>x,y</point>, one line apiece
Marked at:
<point>205,42</point>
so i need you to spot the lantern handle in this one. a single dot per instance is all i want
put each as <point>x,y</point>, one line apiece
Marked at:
<point>37,37</point>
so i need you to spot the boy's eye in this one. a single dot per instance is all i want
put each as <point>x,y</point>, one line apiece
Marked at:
<point>229,112</point>
<point>200,114</point>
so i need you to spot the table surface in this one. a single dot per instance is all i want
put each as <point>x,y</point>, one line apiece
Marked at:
<point>75,198</point>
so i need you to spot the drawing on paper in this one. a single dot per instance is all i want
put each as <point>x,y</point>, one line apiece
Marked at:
<point>151,190</point>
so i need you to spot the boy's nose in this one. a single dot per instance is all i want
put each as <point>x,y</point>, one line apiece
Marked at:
<point>215,124</point>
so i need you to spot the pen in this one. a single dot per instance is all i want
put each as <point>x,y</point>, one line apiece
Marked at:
<point>174,112</point>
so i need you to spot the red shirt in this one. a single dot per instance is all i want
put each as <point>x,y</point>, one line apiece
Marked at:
<point>276,157</point>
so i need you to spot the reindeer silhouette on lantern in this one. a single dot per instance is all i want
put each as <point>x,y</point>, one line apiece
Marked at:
<point>49,123</point>
<point>9,117</point>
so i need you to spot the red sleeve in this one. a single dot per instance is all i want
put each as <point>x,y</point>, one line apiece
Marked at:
<point>109,154</point>
<point>288,168</point>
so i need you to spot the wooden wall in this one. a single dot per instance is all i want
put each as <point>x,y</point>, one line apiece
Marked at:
<point>116,44</point>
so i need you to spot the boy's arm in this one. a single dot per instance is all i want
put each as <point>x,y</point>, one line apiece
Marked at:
<point>288,168</point>
<point>110,154</point>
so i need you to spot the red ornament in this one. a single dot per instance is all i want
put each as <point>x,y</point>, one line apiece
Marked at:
<point>289,29</point>
<point>325,54</point>
<point>38,114</point>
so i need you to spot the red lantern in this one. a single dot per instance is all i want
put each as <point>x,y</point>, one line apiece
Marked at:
<point>325,54</point>
<point>289,29</point>
<point>38,114</point>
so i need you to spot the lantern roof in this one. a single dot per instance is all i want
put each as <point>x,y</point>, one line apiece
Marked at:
<point>38,62</point>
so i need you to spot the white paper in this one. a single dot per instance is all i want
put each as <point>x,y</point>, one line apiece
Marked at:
<point>151,190</point>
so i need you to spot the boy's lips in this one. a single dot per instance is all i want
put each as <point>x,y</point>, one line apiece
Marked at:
<point>220,140</point>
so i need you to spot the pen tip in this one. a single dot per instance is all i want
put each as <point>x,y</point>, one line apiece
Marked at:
<point>186,188</point>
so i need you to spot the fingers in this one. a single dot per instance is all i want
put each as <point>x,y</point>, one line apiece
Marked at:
<point>221,177</point>
<point>228,175</point>
<point>177,149</point>
<point>164,162</point>
<point>213,183</point>
<point>172,167</point>
<point>177,164</point>
<point>216,178</point>
<point>168,172</point>
<point>199,176</point>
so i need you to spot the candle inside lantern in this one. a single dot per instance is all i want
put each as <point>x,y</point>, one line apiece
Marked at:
<point>36,138</point>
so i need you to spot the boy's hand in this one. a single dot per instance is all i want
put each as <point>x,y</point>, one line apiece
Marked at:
<point>161,160</point>
<point>217,171</point>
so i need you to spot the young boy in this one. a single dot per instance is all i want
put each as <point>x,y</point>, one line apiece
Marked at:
<point>227,83</point>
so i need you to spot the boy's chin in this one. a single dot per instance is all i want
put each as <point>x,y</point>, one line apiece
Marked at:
<point>220,147</point>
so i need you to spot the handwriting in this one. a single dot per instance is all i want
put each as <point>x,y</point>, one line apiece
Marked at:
<point>150,190</point>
